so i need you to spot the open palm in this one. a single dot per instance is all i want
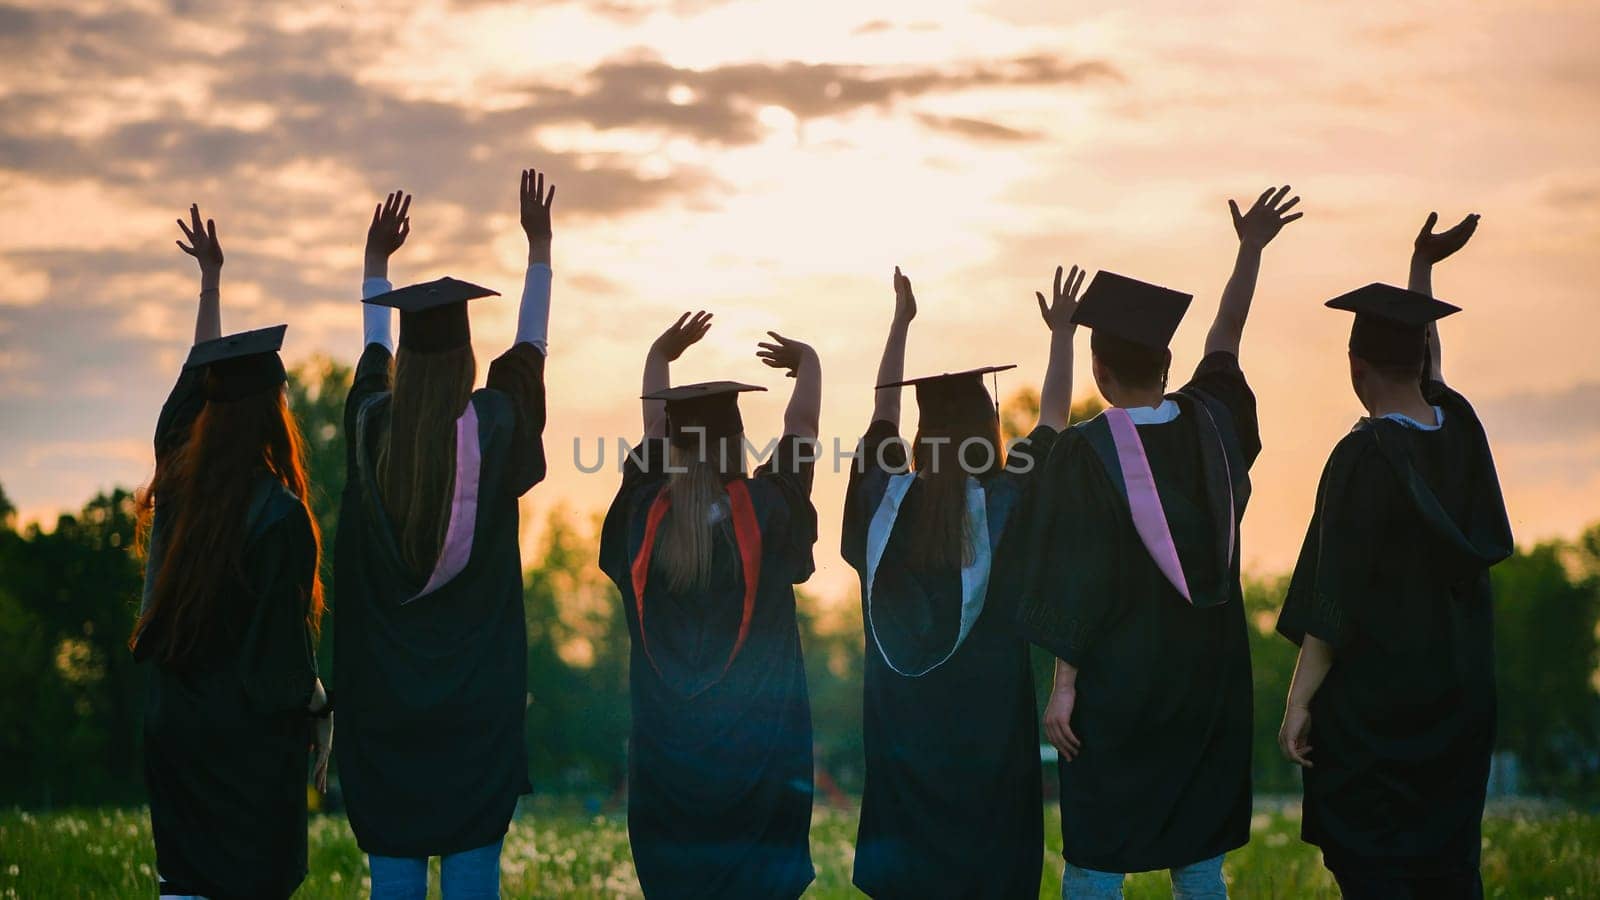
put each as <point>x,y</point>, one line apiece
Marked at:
<point>1435,247</point>
<point>1265,218</point>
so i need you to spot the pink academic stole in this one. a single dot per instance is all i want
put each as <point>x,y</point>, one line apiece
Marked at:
<point>457,549</point>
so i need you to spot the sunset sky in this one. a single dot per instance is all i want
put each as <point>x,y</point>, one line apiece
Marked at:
<point>772,162</point>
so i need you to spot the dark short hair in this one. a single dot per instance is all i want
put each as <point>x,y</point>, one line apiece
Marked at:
<point>1131,363</point>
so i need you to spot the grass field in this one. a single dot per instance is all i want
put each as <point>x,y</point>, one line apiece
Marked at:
<point>557,852</point>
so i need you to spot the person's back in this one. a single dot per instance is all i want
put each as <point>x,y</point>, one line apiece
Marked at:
<point>1129,575</point>
<point>431,655</point>
<point>1391,604</point>
<point>705,559</point>
<point>229,617</point>
<point>952,805</point>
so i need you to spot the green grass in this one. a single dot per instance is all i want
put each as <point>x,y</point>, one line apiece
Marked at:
<point>553,851</point>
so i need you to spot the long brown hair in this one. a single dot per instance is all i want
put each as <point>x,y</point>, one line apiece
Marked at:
<point>941,533</point>
<point>417,456</point>
<point>206,485</point>
<point>697,482</point>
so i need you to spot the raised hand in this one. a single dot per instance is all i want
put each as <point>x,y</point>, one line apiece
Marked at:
<point>689,329</point>
<point>1266,217</point>
<point>203,245</point>
<point>1064,299</point>
<point>1431,248</point>
<point>391,223</point>
<point>905,302</point>
<point>783,353</point>
<point>536,206</point>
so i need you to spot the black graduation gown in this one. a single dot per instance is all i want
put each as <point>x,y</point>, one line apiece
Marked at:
<point>430,669</point>
<point>226,733</point>
<point>1394,574</point>
<point>719,758</point>
<point>952,805</point>
<point>1164,692</point>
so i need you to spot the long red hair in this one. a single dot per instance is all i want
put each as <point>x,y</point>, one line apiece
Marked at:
<point>205,486</point>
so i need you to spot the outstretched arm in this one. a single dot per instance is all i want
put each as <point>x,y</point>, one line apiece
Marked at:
<point>886,401</point>
<point>533,315</point>
<point>1055,395</point>
<point>205,249</point>
<point>391,224</point>
<point>689,328</point>
<point>803,416</point>
<point>1430,248</point>
<point>1255,228</point>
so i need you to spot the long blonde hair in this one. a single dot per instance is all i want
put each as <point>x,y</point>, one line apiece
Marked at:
<point>942,535</point>
<point>685,553</point>
<point>417,454</point>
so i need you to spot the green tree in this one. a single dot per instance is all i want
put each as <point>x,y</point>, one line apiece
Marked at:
<point>1272,661</point>
<point>73,696</point>
<point>1547,603</point>
<point>317,390</point>
<point>1021,410</point>
<point>578,702</point>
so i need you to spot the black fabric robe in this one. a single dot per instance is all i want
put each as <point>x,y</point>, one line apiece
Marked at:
<point>226,733</point>
<point>719,760</point>
<point>431,685</point>
<point>1163,691</point>
<point>1394,574</point>
<point>952,806</point>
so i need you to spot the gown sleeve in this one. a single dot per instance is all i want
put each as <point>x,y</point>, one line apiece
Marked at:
<point>1066,553</point>
<point>790,469</point>
<point>1330,593</point>
<point>1027,456</point>
<point>374,375</point>
<point>1219,376</point>
<point>642,466</point>
<point>519,374</point>
<point>277,658</point>
<point>182,407</point>
<point>880,453</point>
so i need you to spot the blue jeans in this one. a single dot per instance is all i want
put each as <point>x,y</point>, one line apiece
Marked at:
<point>469,875</point>
<point>1196,881</point>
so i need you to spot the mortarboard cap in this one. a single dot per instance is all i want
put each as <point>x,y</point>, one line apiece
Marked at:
<point>1136,311</point>
<point>238,365</point>
<point>1391,322</point>
<point>433,315</point>
<point>710,405</point>
<point>952,398</point>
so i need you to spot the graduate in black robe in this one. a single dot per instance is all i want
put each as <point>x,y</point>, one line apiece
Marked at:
<point>952,806</point>
<point>431,648</point>
<point>1392,708</point>
<point>706,559</point>
<point>1129,563</point>
<point>229,617</point>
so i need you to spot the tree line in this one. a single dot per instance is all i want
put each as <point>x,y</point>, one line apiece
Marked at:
<point>71,697</point>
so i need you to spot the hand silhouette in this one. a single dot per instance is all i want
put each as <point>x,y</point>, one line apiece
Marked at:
<point>1266,217</point>
<point>203,245</point>
<point>1432,248</point>
<point>1064,303</point>
<point>905,302</point>
<point>783,353</point>
<point>536,206</point>
<point>391,223</point>
<point>689,329</point>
